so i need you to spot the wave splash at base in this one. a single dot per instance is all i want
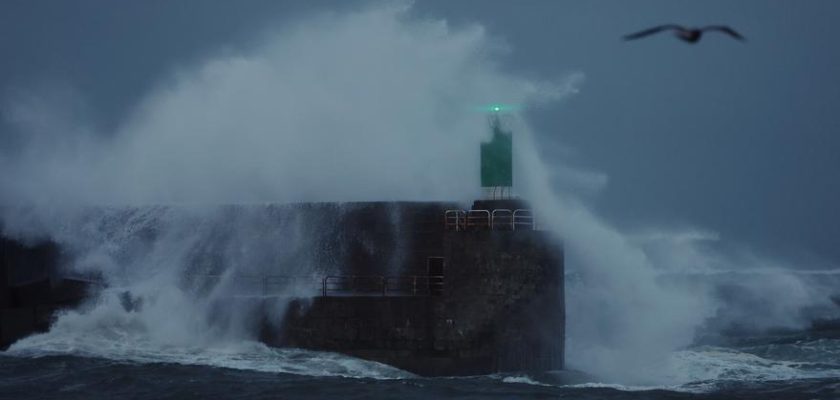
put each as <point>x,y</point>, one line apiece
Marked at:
<point>706,369</point>
<point>122,345</point>
<point>703,369</point>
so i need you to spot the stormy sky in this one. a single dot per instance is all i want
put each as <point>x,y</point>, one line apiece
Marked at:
<point>738,138</point>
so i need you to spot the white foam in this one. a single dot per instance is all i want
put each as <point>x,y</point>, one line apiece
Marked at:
<point>162,331</point>
<point>624,388</point>
<point>703,369</point>
<point>523,379</point>
<point>722,364</point>
<point>244,355</point>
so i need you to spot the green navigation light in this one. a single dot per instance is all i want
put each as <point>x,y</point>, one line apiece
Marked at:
<point>497,108</point>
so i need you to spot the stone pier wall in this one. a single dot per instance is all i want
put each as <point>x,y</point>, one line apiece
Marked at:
<point>502,309</point>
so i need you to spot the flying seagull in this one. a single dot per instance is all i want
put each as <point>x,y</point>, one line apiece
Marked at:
<point>690,35</point>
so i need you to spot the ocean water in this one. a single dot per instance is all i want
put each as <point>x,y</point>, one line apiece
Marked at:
<point>91,367</point>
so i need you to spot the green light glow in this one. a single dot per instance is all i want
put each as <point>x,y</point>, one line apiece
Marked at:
<point>497,108</point>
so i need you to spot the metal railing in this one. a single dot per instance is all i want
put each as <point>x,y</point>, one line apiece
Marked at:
<point>478,219</point>
<point>259,284</point>
<point>454,220</point>
<point>333,285</point>
<point>523,219</point>
<point>356,285</point>
<point>500,219</point>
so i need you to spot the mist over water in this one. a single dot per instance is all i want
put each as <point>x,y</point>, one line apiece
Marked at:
<point>371,105</point>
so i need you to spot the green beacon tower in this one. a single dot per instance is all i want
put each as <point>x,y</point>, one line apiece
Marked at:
<point>497,161</point>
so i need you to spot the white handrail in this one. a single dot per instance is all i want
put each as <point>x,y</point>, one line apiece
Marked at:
<point>496,215</point>
<point>454,218</point>
<point>523,216</point>
<point>478,218</point>
<point>497,219</point>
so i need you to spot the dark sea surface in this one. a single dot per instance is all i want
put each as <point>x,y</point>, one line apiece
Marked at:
<point>41,368</point>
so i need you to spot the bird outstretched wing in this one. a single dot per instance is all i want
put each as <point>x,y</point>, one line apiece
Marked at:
<point>651,31</point>
<point>725,29</point>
